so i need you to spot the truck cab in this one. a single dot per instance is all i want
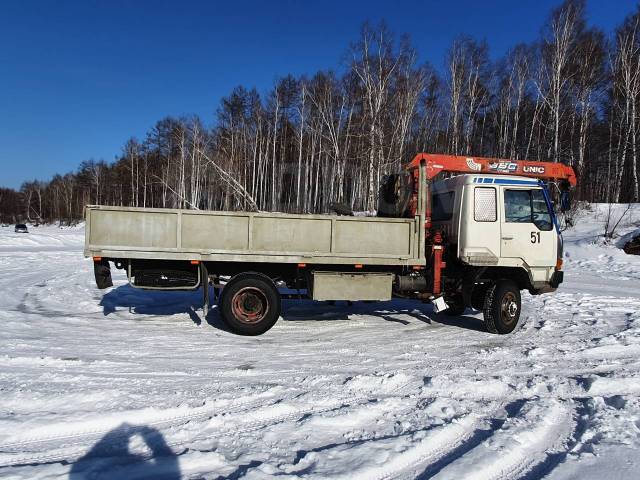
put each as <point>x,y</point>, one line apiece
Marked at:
<point>501,222</point>
<point>496,226</point>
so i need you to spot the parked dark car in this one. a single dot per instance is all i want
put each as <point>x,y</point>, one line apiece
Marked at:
<point>21,228</point>
<point>632,247</point>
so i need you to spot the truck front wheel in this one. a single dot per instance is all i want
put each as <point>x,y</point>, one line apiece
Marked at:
<point>502,305</point>
<point>250,304</point>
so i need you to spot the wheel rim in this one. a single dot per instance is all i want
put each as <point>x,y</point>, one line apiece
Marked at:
<point>249,305</point>
<point>509,308</point>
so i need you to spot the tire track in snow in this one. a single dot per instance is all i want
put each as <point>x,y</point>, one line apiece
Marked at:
<point>434,446</point>
<point>280,413</point>
<point>72,437</point>
<point>523,442</point>
<point>75,453</point>
<point>480,436</point>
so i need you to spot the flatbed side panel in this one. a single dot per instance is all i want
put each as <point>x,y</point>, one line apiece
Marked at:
<point>377,238</point>
<point>87,230</point>
<point>171,234</point>
<point>134,229</point>
<point>215,232</point>
<point>303,235</point>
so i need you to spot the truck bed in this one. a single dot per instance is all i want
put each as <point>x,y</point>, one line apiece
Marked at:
<point>173,234</point>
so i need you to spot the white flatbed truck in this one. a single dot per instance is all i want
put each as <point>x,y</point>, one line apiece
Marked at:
<point>473,240</point>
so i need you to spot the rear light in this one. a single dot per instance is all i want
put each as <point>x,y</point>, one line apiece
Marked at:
<point>195,262</point>
<point>97,259</point>
<point>559,264</point>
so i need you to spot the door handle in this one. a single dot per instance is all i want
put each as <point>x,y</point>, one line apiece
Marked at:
<point>507,238</point>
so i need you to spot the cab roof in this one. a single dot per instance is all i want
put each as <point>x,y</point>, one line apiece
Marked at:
<point>467,179</point>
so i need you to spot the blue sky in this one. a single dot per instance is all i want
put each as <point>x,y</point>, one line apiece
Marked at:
<point>77,79</point>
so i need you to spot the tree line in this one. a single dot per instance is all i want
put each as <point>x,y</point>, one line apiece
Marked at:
<point>572,96</point>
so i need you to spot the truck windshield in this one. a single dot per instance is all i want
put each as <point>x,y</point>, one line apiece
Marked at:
<point>527,206</point>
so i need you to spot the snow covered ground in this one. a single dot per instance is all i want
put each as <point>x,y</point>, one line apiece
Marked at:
<point>123,384</point>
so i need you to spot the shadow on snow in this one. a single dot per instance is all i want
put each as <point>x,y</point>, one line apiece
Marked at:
<point>112,456</point>
<point>150,302</point>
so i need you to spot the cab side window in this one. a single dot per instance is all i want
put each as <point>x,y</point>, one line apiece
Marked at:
<point>517,206</point>
<point>484,204</point>
<point>527,206</point>
<point>540,210</point>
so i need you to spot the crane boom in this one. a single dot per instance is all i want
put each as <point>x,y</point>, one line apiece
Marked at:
<point>438,163</point>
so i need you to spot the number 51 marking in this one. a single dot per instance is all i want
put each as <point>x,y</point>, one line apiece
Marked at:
<point>535,237</point>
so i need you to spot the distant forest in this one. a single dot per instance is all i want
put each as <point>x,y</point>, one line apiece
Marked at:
<point>572,96</point>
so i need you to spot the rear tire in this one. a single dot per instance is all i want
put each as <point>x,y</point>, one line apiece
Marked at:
<point>502,305</point>
<point>250,304</point>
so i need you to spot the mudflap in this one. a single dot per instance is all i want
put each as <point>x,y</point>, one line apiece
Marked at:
<point>556,279</point>
<point>102,272</point>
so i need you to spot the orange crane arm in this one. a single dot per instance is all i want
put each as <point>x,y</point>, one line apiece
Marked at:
<point>437,163</point>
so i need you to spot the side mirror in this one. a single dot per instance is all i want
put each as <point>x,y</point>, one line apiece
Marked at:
<point>565,196</point>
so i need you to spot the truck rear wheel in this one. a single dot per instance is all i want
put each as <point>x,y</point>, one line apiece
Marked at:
<point>502,305</point>
<point>250,304</point>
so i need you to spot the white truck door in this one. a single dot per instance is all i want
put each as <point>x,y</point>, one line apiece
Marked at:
<point>527,229</point>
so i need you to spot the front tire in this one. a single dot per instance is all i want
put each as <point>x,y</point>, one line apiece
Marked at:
<point>502,306</point>
<point>250,304</point>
